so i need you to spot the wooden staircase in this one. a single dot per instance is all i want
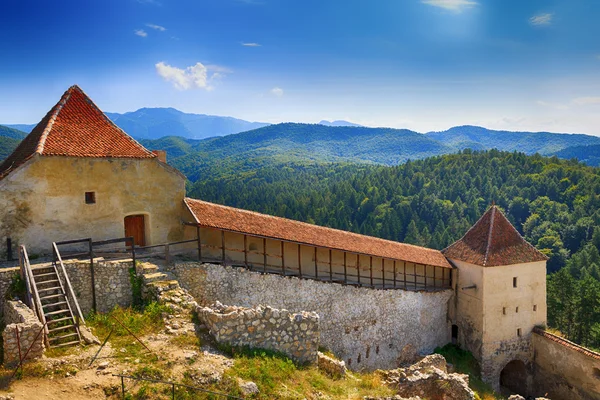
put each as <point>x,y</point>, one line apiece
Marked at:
<point>63,329</point>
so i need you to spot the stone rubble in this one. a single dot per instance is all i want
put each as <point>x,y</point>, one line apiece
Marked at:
<point>332,367</point>
<point>293,334</point>
<point>429,379</point>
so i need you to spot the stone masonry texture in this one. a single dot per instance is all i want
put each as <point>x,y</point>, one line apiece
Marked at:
<point>19,317</point>
<point>366,328</point>
<point>293,334</point>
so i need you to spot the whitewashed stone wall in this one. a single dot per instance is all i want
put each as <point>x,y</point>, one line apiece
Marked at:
<point>366,328</point>
<point>19,317</point>
<point>293,334</point>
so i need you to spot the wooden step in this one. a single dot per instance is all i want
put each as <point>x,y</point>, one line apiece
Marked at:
<point>48,281</point>
<point>54,338</point>
<point>66,344</point>
<point>42,275</point>
<point>54,304</point>
<point>59,320</point>
<point>48,289</point>
<point>52,296</point>
<point>66,310</point>
<point>61,328</point>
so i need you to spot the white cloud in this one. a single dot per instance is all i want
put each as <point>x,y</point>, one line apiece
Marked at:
<point>157,27</point>
<point>453,5</point>
<point>583,101</point>
<point>541,19</point>
<point>252,44</point>
<point>140,32</point>
<point>552,105</point>
<point>193,77</point>
<point>277,91</point>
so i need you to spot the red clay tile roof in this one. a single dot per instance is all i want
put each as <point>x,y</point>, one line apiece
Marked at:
<point>566,343</point>
<point>493,241</point>
<point>252,223</point>
<point>75,127</point>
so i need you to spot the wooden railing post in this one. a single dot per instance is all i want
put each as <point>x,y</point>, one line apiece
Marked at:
<point>199,244</point>
<point>92,273</point>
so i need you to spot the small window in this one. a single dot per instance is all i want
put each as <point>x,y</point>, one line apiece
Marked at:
<point>515,281</point>
<point>519,332</point>
<point>90,197</point>
<point>535,307</point>
<point>517,309</point>
<point>503,310</point>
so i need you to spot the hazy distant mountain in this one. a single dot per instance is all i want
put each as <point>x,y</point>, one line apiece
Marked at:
<point>11,132</point>
<point>337,123</point>
<point>308,143</point>
<point>21,127</point>
<point>154,123</point>
<point>9,140</point>
<point>587,154</point>
<point>478,138</point>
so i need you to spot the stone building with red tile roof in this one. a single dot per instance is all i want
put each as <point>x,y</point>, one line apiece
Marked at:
<point>78,175</point>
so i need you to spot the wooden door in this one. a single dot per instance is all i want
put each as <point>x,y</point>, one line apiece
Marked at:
<point>134,226</point>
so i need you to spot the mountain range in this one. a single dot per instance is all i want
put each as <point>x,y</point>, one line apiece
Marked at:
<point>197,144</point>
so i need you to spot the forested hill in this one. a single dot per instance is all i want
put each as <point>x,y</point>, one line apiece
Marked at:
<point>9,140</point>
<point>554,203</point>
<point>478,138</point>
<point>587,154</point>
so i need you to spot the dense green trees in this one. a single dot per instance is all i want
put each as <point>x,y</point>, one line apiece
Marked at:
<point>554,203</point>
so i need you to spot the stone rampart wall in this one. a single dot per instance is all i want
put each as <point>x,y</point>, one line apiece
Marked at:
<point>366,328</point>
<point>564,370</point>
<point>20,320</point>
<point>293,334</point>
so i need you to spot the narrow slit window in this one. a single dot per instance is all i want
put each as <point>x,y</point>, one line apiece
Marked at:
<point>516,309</point>
<point>535,307</point>
<point>519,332</point>
<point>515,281</point>
<point>90,197</point>
<point>503,310</point>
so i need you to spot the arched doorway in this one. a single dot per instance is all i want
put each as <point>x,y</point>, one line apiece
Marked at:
<point>514,378</point>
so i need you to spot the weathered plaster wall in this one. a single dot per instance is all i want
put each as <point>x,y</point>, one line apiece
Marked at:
<point>294,334</point>
<point>367,328</point>
<point>44,200</point>
<point>20,320</point>
<point>565,370</point>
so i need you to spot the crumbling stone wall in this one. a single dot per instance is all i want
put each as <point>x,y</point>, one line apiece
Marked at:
<point>293,334</point>
<point>564,370</point>
<point>19,317</point>
<point>6,277</point>
<point>367,328</point>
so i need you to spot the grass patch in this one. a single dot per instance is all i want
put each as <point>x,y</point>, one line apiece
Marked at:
<point>139,322</point>
<point>186,340</point>
<point>465,363</point>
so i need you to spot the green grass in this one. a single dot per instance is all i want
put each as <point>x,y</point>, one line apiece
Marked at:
<point>465,363</point>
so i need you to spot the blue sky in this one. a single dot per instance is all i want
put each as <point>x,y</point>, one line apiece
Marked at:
<point>417,64</point>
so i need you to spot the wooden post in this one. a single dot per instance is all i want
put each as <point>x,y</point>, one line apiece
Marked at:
<point>383,272</point>
<point>330,267</point>
<point>92,274</point>
<point>223,246</point>
<point>395,274</point>
<point>246,250</point>
<point>345,269</point>
<point>316,265</point>
<point>371,269</point>
<point>167,254</point>
<point>425,275</point>
<point>415,274</point>
<point>358,268</point>
<point>299,260</point>
<point>405,283</point>
<point>282,258</point>
<point>434,277</point>
<point>264,255</point>
<point>199,243</point>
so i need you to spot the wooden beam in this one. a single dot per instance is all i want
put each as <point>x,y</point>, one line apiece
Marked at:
<point>345,269</point>
<point>395,279</point>
<point>223,246</point>
<point>199,244</point>
<point>300,260</point>
<point>246,250</point>
<point>330,267</point>
<point>282,259</point>
<point>371,270</point>
<point>358,268</point>
<point>316,265</point>
<point>405,279</point>
<point>383,272</point>
<point>264,255</point>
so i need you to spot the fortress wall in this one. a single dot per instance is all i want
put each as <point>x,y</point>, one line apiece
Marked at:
<point>366,328</point>
<point>563,369</point>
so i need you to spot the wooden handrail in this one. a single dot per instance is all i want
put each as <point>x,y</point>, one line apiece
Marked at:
<point>68,283</point>
<point>36,295</point>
